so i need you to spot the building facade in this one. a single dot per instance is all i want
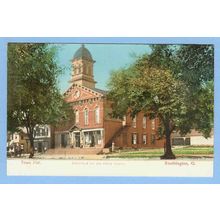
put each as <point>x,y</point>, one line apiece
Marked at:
<point>43,137</point>
<point>42,141</point>
<point>94,128</point>
<point>194,138</point>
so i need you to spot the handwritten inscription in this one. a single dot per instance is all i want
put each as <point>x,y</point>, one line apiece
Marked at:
<point>30,162</point>
<point>180,163</point>
<point>97,163</point>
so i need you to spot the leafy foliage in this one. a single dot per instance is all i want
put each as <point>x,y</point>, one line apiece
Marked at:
<point>173,83</point>
<point>196,64</point>
<point>33,96</point>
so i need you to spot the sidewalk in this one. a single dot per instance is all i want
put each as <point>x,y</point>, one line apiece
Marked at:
<point>107,157</point>
<point>74,157</point>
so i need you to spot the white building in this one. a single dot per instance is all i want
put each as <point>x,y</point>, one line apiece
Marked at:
<point>194,138</point>
<point>42,140</point>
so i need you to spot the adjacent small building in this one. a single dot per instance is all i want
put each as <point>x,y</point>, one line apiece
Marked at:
<point>43,137</point>
<point>194,138</point>
<point>42,141</point>
<point>20,138</point>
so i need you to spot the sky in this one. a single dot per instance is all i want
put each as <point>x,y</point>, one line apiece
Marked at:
<point>108,57</point>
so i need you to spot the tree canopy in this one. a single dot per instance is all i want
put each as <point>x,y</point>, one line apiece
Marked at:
<point>33,95</point>
<point>173,83</point>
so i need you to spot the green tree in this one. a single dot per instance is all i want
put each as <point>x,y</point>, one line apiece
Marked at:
<point>33,96</point>
<point>155,92</point>
<point>194,66</point>
<point>170,85</point>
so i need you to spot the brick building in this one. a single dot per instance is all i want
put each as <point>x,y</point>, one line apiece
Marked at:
<point>93,128</point>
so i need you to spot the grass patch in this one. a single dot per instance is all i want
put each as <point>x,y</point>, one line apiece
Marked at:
<point>200,151</point>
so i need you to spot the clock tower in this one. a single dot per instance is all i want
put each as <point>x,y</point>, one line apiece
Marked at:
<point>82,68</point>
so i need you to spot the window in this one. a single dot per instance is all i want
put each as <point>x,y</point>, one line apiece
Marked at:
<point>124,120</point>
<point>88,70</point>
<point>144,121</point>
<point>134,122</point>
<point>134,138</point>
<point>36,131</point>
<point>43,132</point>
<point>77,94</point>
<point>87,138</point>
<point>46,131</point>
<point>77,69</point>
<point>97,116</point>
<point>80,69</point>
<point>76,116</point>
<point>153,124</point>
<point>97,135</point>
<point>144,139</point>
<point>86,117</point>
<point>153,139</point>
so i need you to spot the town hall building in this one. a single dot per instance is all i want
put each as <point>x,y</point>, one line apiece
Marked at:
<point>94,130</point>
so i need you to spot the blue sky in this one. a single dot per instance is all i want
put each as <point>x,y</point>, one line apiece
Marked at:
<point>108,57</point>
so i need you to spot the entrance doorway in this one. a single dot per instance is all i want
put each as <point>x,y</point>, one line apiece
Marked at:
<point>63,140</point>
<point>77,139</point>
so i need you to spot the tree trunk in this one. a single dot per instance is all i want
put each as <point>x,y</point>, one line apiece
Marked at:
<point>31,138</point>
<point>32,148</point>
<point>168,154</point>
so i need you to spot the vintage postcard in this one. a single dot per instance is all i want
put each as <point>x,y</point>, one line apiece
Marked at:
<point>119,110</point>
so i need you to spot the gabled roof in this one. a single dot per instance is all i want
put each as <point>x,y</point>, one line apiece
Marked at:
<point>65,126</point>
<point>100,91</point>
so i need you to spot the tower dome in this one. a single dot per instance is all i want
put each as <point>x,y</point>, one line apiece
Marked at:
<point>82,53</point>
<point>82,68</point>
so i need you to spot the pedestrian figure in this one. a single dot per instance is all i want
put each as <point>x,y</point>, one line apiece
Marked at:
<point>22,149</point>
<point>19,150</point>
<point>113,146</point>
<point>16,149</point>
<point>12,151</point>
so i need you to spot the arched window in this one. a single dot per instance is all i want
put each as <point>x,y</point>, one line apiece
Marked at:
<point>144,139</point>
<point>76,69</point>
<point>86,116</point>
<point>153,124</point>
<point>134,121</point>
<point>124,120</point>
<point>134,138</point>
<point>144,121</point>
<point>97,115</point>
<point>89,70</point>
<point>77,116</point>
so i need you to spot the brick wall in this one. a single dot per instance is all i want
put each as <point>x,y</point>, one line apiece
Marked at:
<point>125,138</point>
<point>90,106</point>
<point>111,126</point>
